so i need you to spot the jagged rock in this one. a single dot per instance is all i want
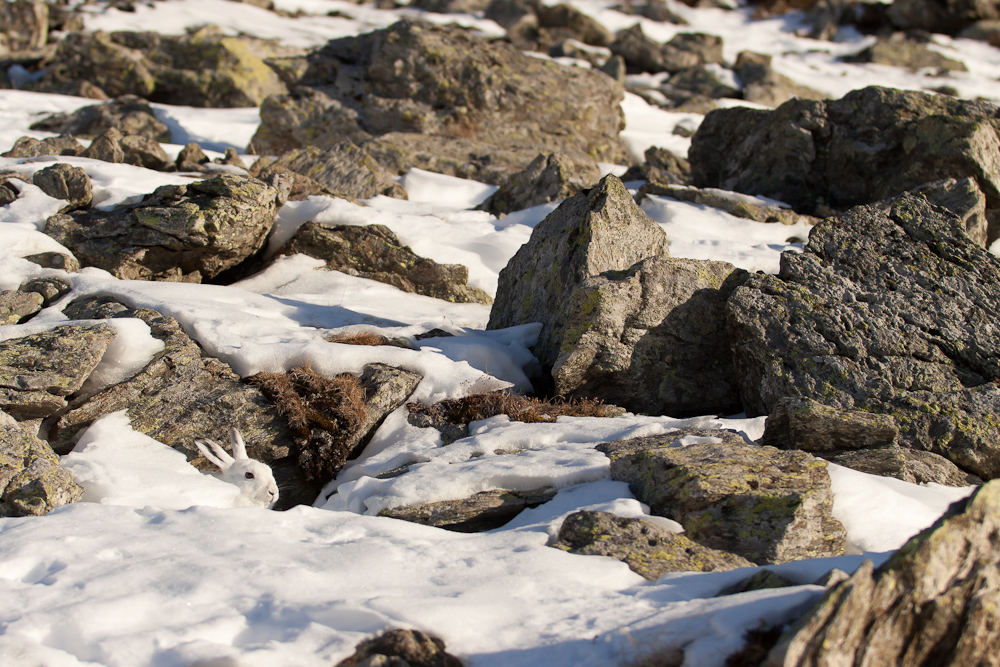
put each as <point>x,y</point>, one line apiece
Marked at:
<point>128,114</point>
<point>24,24</point>
<point>732,203</point>
<point>231,158</point>
<point>932,603</point>
<point>143,152</point>
<point>549,177</point>
<point>871,144</point>
<point>909,465</point>
<point>616,68</point>
<point>428,89</point>
<point>651,339</point>
<point>401,648</point>
<point>179,232</point>
<point>17,306</point>
<point>485,510</point>
<point>508,13</point>
<point>648,549</point>
<point>983,31</point>
<point>762,503</point>
<point>594,231</point>
<point>191,158</point>
<point>890,309</point>
<point>762,579</point>
<point>572,48</point>
<point>31,147</point>
<point>55,260</point>
<point>32,482</point>
<point>50,289</point>
<point>697,80</point>
<point>64,181</point>
<point>38,371</point>
<point>8,193</point>
<point>106,147</point>
<point>374,252</point>
<point>582,27</point>
<point>654,10</point>
<point>343,169</point>
<point>762,85</point>
<point>660,167</point>
<point>963,198</point>
<point>899,50</point>
<point>644,54</point>
<point>944,16</point>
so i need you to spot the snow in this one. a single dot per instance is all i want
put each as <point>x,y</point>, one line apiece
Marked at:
<point>157,568</point>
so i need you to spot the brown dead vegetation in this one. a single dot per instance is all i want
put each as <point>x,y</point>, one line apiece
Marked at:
<point>518,408</point>
<point>309,400</point>
<point>358,338</point>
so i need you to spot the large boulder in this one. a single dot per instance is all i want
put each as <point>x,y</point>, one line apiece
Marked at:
<point>932,603</point>
<point>652,339</point>
<point>871,144</point>
<point>764,504</point>
<point>343,169</point>
<point>549,177</point>
<point>128,114</point>
<point>31,480</point>
<point>374,252</point>
<point>594,231</point>
<point>67,182</point>
<point>645,54</point>
<point>890,310</point>
<point>179,232</point>
<point>944,16</point>
<point>444,83</point>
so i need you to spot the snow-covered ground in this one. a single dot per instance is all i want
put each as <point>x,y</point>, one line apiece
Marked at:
<point>157,568</point>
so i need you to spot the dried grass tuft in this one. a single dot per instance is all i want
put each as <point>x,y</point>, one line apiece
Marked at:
<point>358,338</point>
<point>519,408</point>
<point>309,400</point>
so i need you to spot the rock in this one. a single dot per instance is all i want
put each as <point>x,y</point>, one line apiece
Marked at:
<point>231,158</point>
<point>8,193</point>
<point>483,511</point>
<point>451,6</point>
<point>660,167</point>
<point>143,152</point>
<point>443,86</point>
<point>888,310</point>
<point>697,80</point>
<point>343,169</point>
<point>374,252</point>
<point>191,158</point>
<point>762,503</point>
<point>984,31</point>
<point>651,339</point>
<point>55,260</point>
<point>762,579</point>
<point>648,549</point>
<point>24,24</point>
<point>549,177</point>
<point>50,289</point>
<point>899,50</point>
<point>64,181</point>
<point>644,54</point>
<point>871,144</point>
<point>401,648</point>
<point>179,232</point>
<point>963,198</point>
<point>654,10</point>
<point>584,28</point>
<point>909,465</point>
<point>32,482</point>
<point>38,371</point>
<point>931,603</point>
<point>616,68</point>
<point>128,114</point>
<point>106,147</point>
<point>740,206</point>
<point>762,85</point>
<point>509,13</point>
<point>31,147</point>
<point>942,16</point>
<point>594,231</point>
<point>17,306</point>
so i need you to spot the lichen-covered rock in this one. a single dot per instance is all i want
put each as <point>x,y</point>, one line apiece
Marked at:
<point>31,147</point>
<point>740,206</point>
<point>654,10</point>
<point>401,648</point>
<point>651,339</point>
<point>106,147</point>
<point>899,50</point>
<point>697,81</point>
<point>762,85</point>
<point>374,252</point>
<point>644,54</point>
<point>594,231</point>
<point>444,83</point>
<point>660,166</point>
<point>871,144</point>
<point>128,114</point>
<point>549,177</point>
<point>932,603</point>
<point>50,289</point>
<point>179,232</point>
<point>143,152</point>
<point>31,480</point>
<point>942,16</point>
<point>485,510</point>
<point>963,198</point>
<point>648,549</point>
<point>191,158</point>
<point>64,181</point>
<point>910,465</point>
<point>890,310</point>
<point>581,26</point>
<point>24,24</point>
<point>38,371</point>
<point>55,260</point>
<point>344,169</point>
<point>761,503</point>
<point>17,306</point>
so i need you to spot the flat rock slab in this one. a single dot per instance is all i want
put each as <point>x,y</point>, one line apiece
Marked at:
<point>344,169</point>
<point>888,318</point>
<point>485,510</point>
<point>761,503</point>
<point>648,549</point>
<point>31,480</point>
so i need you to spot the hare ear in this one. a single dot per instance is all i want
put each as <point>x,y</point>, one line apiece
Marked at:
<point>218,455</point>
<point>239,447</point>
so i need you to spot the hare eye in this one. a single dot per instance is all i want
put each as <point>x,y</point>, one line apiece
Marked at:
<point>248,475</point>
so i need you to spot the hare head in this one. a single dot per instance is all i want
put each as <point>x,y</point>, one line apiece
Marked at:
<point>253,478</point>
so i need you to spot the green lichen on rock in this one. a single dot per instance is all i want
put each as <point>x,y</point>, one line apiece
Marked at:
<point>31,480</point>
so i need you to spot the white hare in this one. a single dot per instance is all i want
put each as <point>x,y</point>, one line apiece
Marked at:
<point>254,479</point>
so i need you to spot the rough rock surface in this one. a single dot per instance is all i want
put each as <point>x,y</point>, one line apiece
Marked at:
<point>645,54</point>
<point>106,147</point>
<point>963,198</point>
<point>651,339</point>
<point>374,252</point>
<point>446,85</point>
<point>179,232</point>
<point>549,177</point>
<point>947,16</point>
<point>660,167</point>
<point>485,510</point>
<point>761,84</point>
<point>899,50</point>
<point>31,147</point>
<point>17,306</point>
<point>128,114</point>
<point>729,202</point>
<point>761,503</point>
<point>64,181</point>
<point>891,309</point>
<point>344,169</point>
<point>401,648</point>
<point>31,480</point>
<point>38,371</point>
<point>932,603</point>
<point>648,549</point>
<point>594,231</point>
<point>871,144</point>
<point>24,24</point>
